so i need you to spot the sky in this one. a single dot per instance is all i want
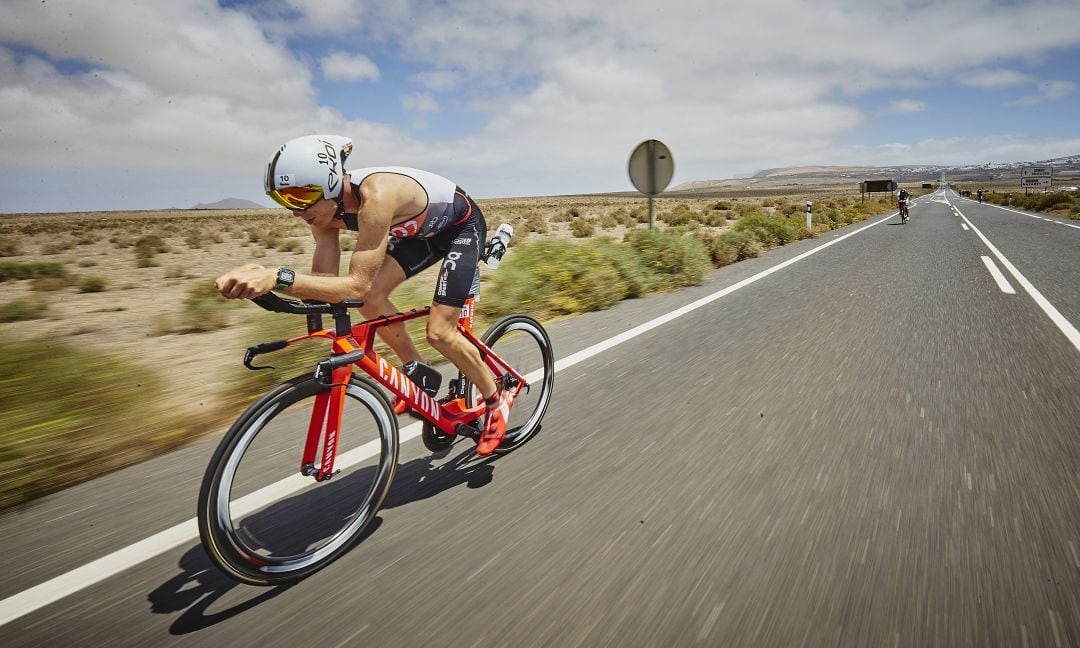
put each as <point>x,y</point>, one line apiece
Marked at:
<point>137,104</point>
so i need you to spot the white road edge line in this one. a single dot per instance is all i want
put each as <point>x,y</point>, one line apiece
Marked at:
<point>1055,316</point>
<point>1049,220</point>
<point>1002,282</point>
<point>37,597</point>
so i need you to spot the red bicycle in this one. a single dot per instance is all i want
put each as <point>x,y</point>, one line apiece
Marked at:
<point>301,475</point>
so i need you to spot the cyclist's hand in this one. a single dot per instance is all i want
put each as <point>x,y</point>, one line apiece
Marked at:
<point>247,281</point>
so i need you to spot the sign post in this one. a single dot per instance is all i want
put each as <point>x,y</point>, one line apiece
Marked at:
<point>1037,177</point>
<point>651,168</point>
<point>809,207</point>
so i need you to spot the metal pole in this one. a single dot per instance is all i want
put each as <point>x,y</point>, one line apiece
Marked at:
<point>651,157</point>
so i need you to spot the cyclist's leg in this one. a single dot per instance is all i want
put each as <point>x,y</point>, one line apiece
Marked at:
<point>404,258</point>
<point>459,279</point>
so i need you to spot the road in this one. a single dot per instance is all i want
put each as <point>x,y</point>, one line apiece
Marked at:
<point>858,440</point>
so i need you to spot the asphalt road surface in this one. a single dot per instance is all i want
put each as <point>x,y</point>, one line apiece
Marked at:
<point>874,443</point>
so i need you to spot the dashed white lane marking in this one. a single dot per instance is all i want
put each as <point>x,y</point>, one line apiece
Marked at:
<point>966,228</point>
<point>1002,282</point>
<point>1064,325</point>
<point>53,590</point>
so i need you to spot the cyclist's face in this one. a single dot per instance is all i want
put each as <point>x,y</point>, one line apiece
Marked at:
<point>321,214</point>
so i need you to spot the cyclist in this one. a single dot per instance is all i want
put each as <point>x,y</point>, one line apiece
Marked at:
<point>405,220</point>
<point>902,202</point>
<point>980,193</point>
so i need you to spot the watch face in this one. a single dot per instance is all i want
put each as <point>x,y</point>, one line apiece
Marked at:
<point>285,277</point>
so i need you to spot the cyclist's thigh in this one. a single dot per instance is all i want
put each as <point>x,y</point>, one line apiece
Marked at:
<point>459,277</point>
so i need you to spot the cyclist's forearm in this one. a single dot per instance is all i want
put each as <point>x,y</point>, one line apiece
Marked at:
<point>328,289</point>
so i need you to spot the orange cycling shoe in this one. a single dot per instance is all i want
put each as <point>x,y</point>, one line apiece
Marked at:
<point>495,426</point>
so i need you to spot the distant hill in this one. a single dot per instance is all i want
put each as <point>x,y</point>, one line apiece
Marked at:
<point>791,177</point>
<point>230,203</point>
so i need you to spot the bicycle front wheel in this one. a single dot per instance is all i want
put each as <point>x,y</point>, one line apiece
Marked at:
<point>524,344</point>
<point>262,521</point>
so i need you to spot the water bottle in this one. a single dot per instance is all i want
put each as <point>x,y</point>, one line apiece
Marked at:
<point>496,247</point>
<point>425,376</point>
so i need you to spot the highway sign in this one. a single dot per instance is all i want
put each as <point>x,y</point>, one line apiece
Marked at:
<point>1037,172</point>
<point>1028,183</point>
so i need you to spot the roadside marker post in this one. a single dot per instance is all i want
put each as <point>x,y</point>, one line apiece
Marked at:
<point>809,209</point>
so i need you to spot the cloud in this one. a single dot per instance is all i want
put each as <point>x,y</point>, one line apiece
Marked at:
<point>340,66</point>
<point>420,102</point>
<point>904,106</point>
<point>1047,91</point>
<point>997,78</point>
<point>436,79</point>
<point>558,92</point>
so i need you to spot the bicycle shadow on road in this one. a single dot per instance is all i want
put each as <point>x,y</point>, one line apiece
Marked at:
<point>201,586</point>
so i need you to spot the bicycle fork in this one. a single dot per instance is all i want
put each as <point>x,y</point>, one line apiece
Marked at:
<point>327,412</point>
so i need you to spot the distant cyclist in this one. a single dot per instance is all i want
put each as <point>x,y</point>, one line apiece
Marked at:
<point>405,220</point>
<point>980,193</point>
<point>902,202</point>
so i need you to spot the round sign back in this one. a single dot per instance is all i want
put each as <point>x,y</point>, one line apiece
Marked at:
<point>651,167</point>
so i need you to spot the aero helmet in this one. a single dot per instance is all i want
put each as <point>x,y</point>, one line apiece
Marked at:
<point>307,169</point>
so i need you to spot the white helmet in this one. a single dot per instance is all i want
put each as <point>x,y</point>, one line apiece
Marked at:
<point>307,169</point>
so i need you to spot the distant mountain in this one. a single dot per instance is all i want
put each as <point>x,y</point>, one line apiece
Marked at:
<point>1068,166</point>
<point>231,203</point>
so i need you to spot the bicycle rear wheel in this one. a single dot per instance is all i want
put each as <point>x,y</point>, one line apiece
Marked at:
<point>524,344</point>
<point>263,522</point>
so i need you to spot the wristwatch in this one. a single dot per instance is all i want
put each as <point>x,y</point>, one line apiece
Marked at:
<point>285,278</point>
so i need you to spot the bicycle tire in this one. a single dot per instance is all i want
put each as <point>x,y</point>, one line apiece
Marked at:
<point>230,497</point>
<point>534,403</point>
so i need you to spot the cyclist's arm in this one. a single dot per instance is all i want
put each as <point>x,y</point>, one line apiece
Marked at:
<point>326,260</point>
<point>367,257</point>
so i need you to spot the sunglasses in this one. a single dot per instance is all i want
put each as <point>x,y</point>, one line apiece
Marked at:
<point>297,198</point>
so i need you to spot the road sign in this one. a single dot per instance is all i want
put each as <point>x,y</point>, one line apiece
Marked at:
<point>1028,183</point>
<point>1037,172</point>
<point>651,167</point>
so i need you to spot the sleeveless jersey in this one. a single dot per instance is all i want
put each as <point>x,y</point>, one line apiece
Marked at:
<point>440,212</point>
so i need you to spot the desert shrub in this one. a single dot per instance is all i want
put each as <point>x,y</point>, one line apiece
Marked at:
<point>174,272</point>
<point>721,251</point>
<point>640,214</point>
<point>680,215</point>
<point>582,228</point>
<point>346,243</point>
<point>101,413</point>
<point>204,309</point>
<point>49,284</point>
<point>87,263</point>
<point>713,219</point>
<point>721,205</point>
<point>30,269</point>
<point>676,260</point>
<point>9,247</point>
<point>552,276</point>
<point>290,245</point>
<point>608,221</point>
<point>57,247</point>
<point>195,239</point>
<point>146,248</point>
<point>535,223</point>
<point>91,284</point>
<point>24,309</point>
<point>770,230</point>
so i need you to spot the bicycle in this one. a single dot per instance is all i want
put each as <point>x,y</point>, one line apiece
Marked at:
<point>905,214</point>
<point>262,529</point>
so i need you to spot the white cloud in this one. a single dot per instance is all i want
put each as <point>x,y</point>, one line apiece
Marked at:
<point>1047,91</point>
<point>997,78</point>
<point>904,106</point>
<point>420,102</point>
<point>340,66</point>
<point>436,79</point>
